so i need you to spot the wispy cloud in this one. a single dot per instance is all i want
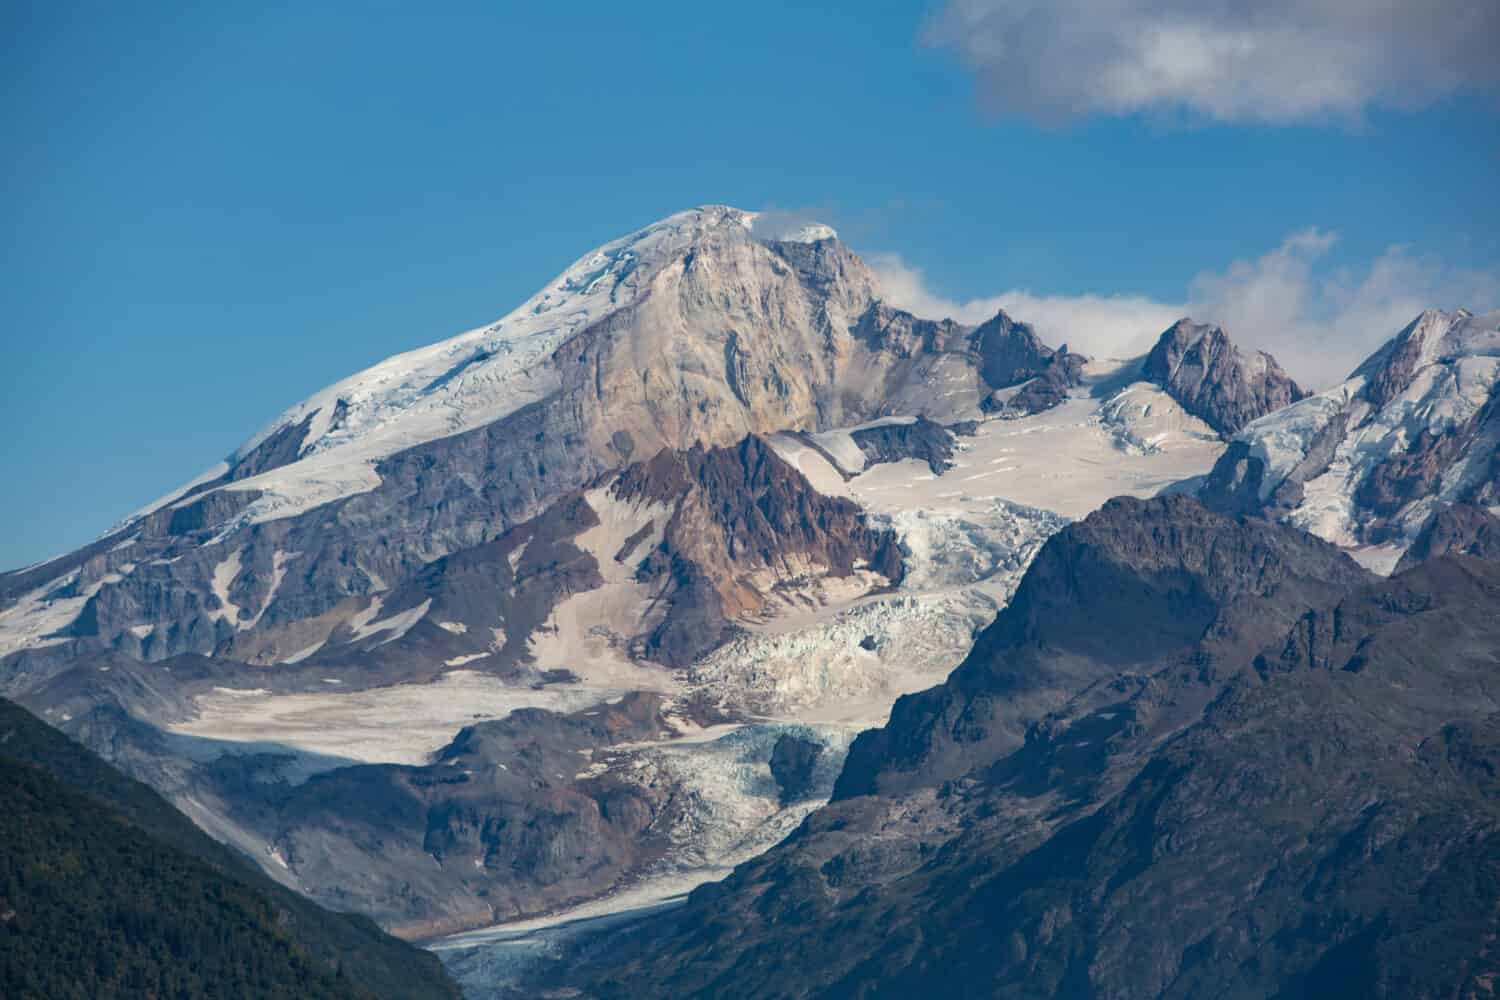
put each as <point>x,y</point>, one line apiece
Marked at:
<point>1271,61</point>
<point>1318,322</point>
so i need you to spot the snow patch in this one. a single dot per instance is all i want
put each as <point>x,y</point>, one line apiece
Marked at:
<point>397,625</point>
<point>401,724</point>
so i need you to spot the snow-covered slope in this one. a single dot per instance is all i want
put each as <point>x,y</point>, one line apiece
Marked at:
<point>1365,463</point>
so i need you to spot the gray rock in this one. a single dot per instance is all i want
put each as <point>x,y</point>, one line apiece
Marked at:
<point>1198,366</point>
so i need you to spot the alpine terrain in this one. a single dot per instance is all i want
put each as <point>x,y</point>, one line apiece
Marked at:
<point>811,647</point>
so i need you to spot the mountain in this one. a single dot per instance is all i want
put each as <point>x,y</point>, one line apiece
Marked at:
<point>106,890</point>
<point>1367,463</point>
<point>1260,772</point>
<point>1212,379</point>
<point>692,331</point>
<point>706,465</point>
<point>558,619</point>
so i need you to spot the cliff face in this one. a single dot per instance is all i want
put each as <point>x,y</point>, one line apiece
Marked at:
<point>1201,369</point>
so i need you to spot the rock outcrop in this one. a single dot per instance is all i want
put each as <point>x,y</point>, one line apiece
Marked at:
<point>745,533</point>
<point>1200,368</point>
<point>792,762</point>
<point>922,439</point>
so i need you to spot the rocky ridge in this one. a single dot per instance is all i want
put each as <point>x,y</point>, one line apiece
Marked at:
<point>1235,809</point>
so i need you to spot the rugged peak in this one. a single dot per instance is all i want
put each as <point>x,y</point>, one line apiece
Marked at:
<point>1432,336</point>
<point>1416,426</point>
<point>713,256</point>
<point>1198,365</point>
<point>1164,560</point>
<point>1462,528</point>
<point>1012,355</point>
<point>1011,352</point>
<point>742,524</point>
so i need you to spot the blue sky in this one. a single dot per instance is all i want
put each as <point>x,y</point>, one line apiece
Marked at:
<point>212,213</point>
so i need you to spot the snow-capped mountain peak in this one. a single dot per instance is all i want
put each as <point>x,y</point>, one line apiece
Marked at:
<point>480,375</point>
<point>1365,463</point>
<point>327,445</point>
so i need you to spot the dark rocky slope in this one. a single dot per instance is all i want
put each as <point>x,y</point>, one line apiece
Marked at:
<point>922,439</point>
<point>1133,585</point>
<point>505,822</point>
<point>106,890</point>
<point>1291,803</point>
<point>1458,528</point>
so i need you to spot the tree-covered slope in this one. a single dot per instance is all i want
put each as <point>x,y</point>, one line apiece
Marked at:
<point>106,890</point>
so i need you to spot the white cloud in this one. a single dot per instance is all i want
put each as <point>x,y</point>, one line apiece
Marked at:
<point>1103,325</point>
<point>1272,60</point>
<point>1319,323</point>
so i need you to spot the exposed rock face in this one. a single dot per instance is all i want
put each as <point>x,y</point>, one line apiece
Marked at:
<point>1042,390</point>
<point>710,535</point>
<point>921,439</point>
<point>1027,376</point>
<point>792,762</point>
<point>1368,462</point>
<point>743,526</point>
<point>1012,351</point>
<point>506,821</point>
<point>1296,803</point>
<point>1214,381</point>
<point>1407,477</point>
